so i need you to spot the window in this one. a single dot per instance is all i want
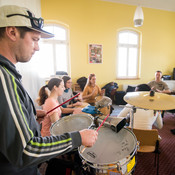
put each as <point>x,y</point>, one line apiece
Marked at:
<point>128,54</point>
<point>54,52</point>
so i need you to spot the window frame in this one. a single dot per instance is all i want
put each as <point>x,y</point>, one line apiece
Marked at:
<point>55,42</point>
<point>138,46</point>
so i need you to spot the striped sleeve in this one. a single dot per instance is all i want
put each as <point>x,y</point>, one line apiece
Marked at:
<point>20,142</point>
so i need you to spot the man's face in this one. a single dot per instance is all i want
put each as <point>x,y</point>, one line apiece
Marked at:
<point>27,46</point>
<point>158,75</point>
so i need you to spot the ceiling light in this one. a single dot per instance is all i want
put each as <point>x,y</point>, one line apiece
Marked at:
<point>138,17</point>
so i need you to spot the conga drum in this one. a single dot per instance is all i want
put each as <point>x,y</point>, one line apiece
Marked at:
<point>105,105</point>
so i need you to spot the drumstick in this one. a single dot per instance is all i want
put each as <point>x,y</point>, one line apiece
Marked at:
<point>63,103</point>
<point>97,131</point>
<point>102,123</point>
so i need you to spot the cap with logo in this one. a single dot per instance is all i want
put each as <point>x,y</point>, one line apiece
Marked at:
<point>12,15</point>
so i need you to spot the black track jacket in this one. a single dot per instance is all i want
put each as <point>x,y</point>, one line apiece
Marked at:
<point>21,146</point>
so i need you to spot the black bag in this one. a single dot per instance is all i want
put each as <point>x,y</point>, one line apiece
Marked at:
<point>119,98</point>
<point>109,87</point>
<point>61,73</point>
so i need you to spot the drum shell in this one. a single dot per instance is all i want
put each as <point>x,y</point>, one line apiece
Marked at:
<point>112,151</point>
<point>104,110</point>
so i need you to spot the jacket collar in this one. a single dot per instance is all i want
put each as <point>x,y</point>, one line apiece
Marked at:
<point>10,66</point>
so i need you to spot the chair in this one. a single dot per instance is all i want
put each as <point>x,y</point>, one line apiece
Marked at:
<point>149,142</point>
<point>112,95</point>
<point>61,73</point>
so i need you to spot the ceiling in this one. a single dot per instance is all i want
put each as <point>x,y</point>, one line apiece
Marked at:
<point>168,5</point>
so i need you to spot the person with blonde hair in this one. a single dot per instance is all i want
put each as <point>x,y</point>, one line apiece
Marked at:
<point>91,90</point>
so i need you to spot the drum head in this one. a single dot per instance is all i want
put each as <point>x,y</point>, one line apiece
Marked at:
<point>71,123</point>
<point>110,147</point>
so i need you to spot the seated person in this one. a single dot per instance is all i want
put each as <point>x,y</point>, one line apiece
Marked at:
<point>91,90</point>
<point>143,119</point>
<point>67,94</point>
<point>56,88</point>
<point>158,85</point>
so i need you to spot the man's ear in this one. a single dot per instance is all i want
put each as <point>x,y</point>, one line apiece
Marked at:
<point>12,33</point>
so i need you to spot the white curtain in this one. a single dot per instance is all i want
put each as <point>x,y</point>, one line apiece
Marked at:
<point>31,80</point>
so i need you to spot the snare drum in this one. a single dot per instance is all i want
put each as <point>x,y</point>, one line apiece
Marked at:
<point>113,152</point>
<point>71,123</point>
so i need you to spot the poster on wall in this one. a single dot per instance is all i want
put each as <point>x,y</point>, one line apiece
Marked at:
<point>95,53</point>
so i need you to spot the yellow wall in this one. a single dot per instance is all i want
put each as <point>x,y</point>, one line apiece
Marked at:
<point>95,21</point>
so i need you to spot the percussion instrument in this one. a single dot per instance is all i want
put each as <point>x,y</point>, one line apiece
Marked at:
<point>115,123</point>
<point>112,151</point>
<point>150,100</point>
<point>75,122</point>
<point>103,104</point>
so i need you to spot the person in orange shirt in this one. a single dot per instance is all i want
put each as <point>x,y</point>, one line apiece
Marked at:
<point>91,90</point>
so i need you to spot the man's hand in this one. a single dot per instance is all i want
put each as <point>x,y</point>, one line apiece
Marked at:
<point>40,115</point>
<point>77,111</point>
<point>88,137</point>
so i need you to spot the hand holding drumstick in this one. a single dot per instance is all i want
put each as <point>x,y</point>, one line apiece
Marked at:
<point>96,135</point>
<point>88,137</point>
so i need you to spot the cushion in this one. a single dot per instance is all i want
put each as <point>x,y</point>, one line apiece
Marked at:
<point>130,89</point>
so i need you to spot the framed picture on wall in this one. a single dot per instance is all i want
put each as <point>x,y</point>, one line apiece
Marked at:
<point>95,53</point>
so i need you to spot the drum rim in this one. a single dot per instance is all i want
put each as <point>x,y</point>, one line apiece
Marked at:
<point>72,115</point>
<point>115,163</point>
<point>111,165</point>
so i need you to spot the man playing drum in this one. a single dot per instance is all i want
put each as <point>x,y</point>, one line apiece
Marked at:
<point>22,148</point>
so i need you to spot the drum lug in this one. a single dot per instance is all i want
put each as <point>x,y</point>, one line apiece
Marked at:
<point>119,168</point>
<point>93,126</point>
<point>138,143</point>
<point>85,166</point>
<point>95,121</point>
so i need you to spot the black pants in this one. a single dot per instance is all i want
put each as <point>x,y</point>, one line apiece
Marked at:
<point>65,165</point>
